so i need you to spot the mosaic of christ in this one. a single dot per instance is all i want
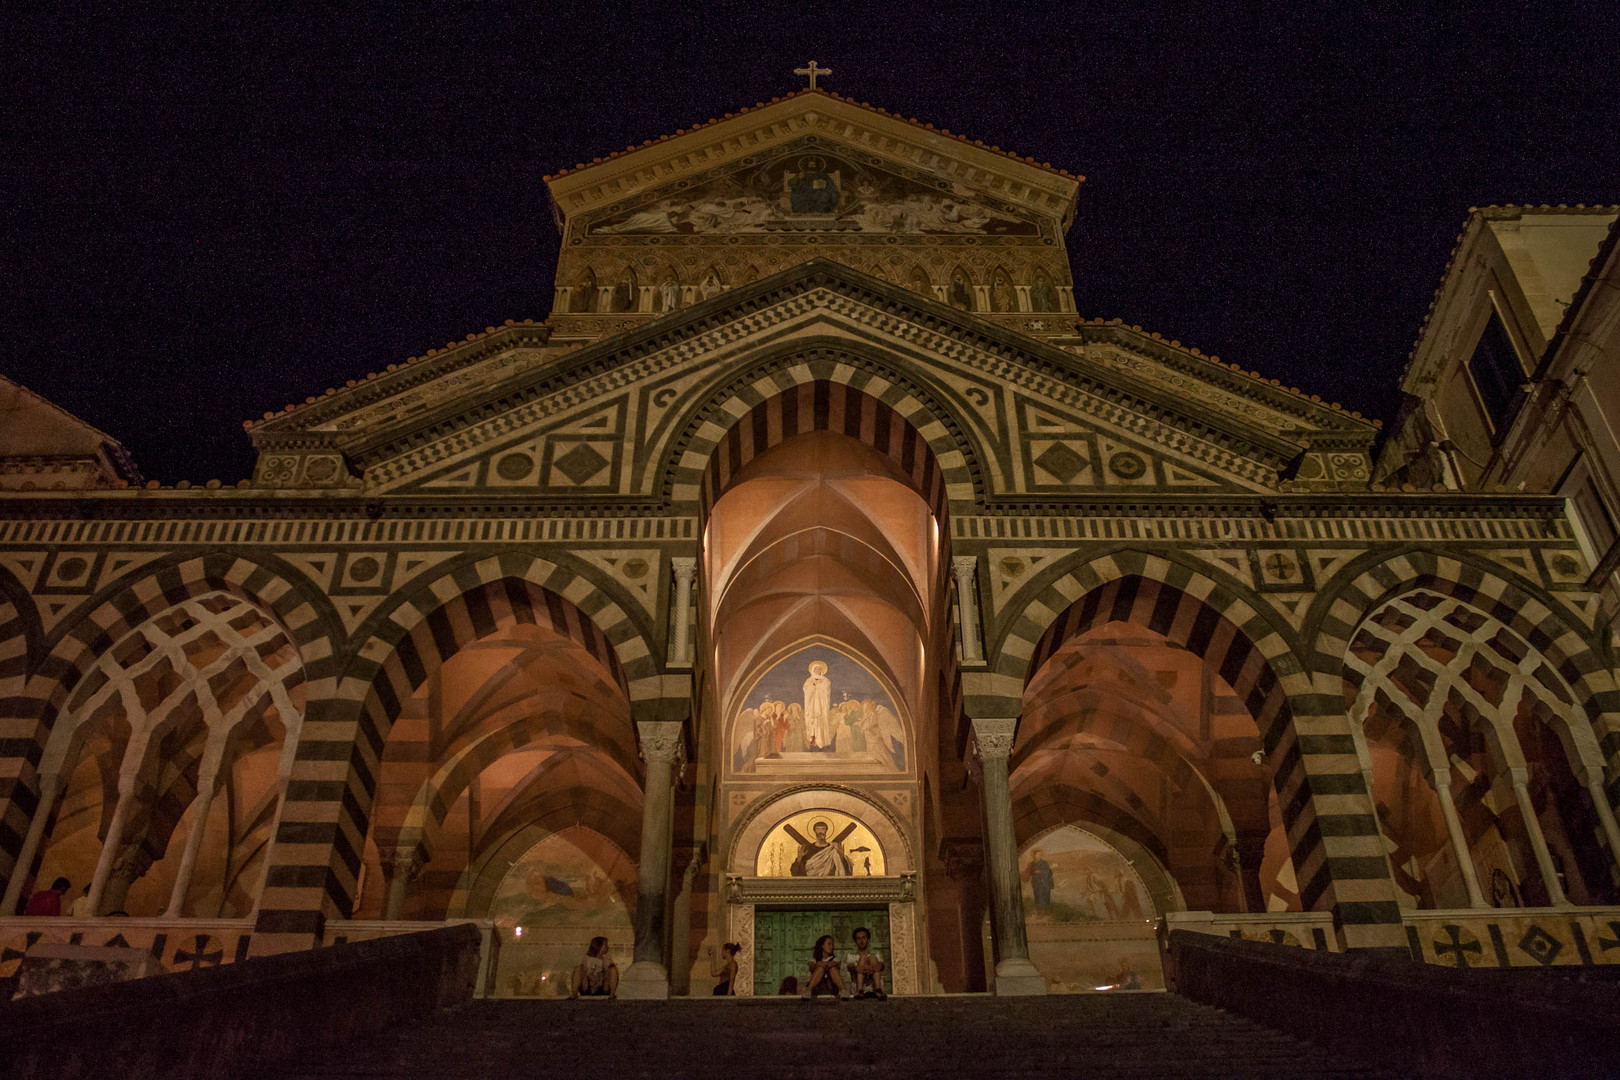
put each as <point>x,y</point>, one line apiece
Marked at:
<point>818,710</point>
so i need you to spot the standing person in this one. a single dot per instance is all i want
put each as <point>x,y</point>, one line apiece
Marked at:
<point>824,969</point>
<point>48,901</point>
<point>596,975</point>
<point>1040,882</point>
<point>726,972</point>
<point>80,908</point>
<point>865,968</point>
<point>818,727</point>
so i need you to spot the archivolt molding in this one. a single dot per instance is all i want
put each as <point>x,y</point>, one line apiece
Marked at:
<point>630,658</point>
<point>302,613</point>
<point>1354,595</point>
<point>955,444</point>
<point>1015,655</point>
<point>751,829</point>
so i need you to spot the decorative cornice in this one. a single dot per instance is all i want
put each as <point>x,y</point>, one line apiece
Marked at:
<point>801,891</point>
<point>961,329</point>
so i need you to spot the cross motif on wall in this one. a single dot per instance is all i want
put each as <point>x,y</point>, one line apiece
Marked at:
<point>812,71</point>
<point>198,957</point>
<point>1280,566</point>
<point>1456,945</point>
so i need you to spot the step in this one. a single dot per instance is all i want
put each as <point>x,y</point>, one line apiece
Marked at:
<point>1118,1036</point>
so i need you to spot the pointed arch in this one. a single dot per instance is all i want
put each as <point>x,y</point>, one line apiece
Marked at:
<point>960,292</point>
<point>1003,297</point>
<point>626,290</point>
<point>584,295</point>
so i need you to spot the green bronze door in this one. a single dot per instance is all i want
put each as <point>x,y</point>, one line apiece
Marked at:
<point>783,940</point>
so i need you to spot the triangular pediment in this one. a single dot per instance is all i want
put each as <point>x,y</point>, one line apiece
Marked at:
<point>756,147</point>
<point>818,183</point>
<point>610,420</point>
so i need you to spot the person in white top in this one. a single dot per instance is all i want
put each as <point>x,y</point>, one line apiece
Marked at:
<point>865,968</point>
<point>597,975</point>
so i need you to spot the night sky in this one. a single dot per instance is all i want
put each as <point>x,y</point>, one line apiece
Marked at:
<point>208,215</point>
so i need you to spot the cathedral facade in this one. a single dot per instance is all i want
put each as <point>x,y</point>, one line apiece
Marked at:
<point>815,565</point>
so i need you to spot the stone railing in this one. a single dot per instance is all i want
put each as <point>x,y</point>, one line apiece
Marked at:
<point>1376,1006</point>
<point>241,1018</point>
<point>1308,929</point>
<point>190,944</point>
<point>1515,937</point>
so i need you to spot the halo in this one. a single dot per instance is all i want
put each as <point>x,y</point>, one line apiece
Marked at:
<point>822,822</point>
<point>814,664</point>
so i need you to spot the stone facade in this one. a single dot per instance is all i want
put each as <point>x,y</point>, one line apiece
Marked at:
<point>813,381</point>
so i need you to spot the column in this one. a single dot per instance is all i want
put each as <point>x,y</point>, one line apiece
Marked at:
<point>1600,800</point>
<point>680,932</point>
<point>981,298</point>
<point>109,847</point>
<point>50,786</point>
<point>644,297</point>
<point>1538,842</point>
<point>1015,975</point>
<point>194,839</point>
<point>662,742</point>
<point>1441,779</point>
<point>1023,298</point>
<point>680,611</point>
<point>402,865</point>
<point>1250,850</point>
<point>966,568</point>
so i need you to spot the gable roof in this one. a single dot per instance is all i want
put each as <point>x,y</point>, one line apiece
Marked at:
<point>1314,422</point>
<point>33,427</point>
<point>655,163</point>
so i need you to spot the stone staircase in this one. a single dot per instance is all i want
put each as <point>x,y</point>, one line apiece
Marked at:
<point>1103,1035</point>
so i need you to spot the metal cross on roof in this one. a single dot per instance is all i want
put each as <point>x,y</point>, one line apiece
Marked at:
<point>812,71</point>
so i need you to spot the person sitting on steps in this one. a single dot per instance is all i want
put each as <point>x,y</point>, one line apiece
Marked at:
<point>596,975</point>
<point>824,977</point>
<point>865,968</point>
<point>726,972</point>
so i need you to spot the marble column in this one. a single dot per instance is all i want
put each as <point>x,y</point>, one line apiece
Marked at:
<point>1015,975</point>
<point>1441,779</point>
<point>50,786</point>
<point>109,846</point>
<point>680,611</point>
<point>1538,842</point>
<point>662,743</point>
<point>1605,812</point>
<point>966,569</point>
<point>194,839</point>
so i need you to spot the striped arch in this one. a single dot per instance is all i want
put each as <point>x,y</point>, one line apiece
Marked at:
<point>321,840</point>
<point>1536,617</point>
<point>435,798</point>
<point>799,390</point>
<point>31,715</point>
<point>1062,804</point>
<point>1182,604</point>
<point>1332,833</point>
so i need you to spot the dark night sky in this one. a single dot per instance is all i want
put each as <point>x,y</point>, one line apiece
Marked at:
<point>207,215</point>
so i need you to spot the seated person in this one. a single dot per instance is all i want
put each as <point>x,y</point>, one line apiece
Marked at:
<point>596,975</point>
<point>824,977</point>
<point>789,987</point>
<point>865,968</point>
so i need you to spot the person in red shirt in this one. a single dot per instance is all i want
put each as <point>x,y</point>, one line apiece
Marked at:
<point>49,901</point>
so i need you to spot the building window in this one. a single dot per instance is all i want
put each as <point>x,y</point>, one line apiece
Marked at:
<point>1497,373</point>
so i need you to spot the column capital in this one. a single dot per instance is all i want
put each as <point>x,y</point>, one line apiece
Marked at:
<point>685,566</point>
<point>662,740</point>
<point>994,735</point>
<point>964,565</point>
